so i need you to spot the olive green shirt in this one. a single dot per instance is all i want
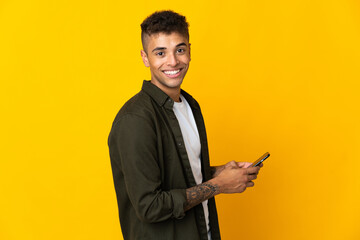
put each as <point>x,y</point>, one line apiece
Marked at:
<point>151,170</point>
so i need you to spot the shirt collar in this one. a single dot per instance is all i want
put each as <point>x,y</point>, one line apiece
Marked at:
<point>162,98</point>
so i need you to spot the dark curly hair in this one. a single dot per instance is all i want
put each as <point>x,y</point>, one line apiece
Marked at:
<point>164,22</point>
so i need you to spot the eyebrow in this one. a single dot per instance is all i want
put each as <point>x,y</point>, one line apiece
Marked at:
<point>158,48</point>
<point>163,48</point>
<point>181,44</point>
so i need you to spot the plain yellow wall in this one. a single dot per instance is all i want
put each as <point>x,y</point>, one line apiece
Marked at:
<point>278,76</point>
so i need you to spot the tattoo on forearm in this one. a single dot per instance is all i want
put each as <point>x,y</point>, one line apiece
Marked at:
<point>200,193</point>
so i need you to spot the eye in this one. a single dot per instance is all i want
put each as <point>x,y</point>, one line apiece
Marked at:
<point>180,50</point>
<point>160,54</point>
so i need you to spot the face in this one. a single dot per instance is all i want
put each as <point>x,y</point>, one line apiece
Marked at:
<point>168,56</point>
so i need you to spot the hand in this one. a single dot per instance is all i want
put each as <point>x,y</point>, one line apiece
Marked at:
<point>235,177</point>
<point>218,169</point>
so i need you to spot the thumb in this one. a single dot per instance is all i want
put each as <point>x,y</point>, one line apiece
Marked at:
<point>243,164</point>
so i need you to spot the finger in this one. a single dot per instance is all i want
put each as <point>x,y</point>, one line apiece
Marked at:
<point>250,184</point>
<point>252,177</point>
<point>252,170</point>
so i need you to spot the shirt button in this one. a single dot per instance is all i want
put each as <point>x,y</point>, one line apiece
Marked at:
<point>179,143</point>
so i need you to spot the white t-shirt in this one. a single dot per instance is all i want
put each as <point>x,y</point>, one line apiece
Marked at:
<point>191,137</point>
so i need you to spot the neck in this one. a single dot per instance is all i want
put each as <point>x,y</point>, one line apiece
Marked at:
<point>174,95</point>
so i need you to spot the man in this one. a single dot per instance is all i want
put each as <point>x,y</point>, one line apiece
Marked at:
<point>158,147</point>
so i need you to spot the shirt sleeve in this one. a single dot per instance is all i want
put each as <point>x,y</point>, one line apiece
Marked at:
<point>135,140</point>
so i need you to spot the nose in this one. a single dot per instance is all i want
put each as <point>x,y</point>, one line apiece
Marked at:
<point>172,60</point>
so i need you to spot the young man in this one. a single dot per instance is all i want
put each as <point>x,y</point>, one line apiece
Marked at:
<point>158,147</point>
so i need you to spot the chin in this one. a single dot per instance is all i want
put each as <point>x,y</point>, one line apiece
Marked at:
<point>175,83</point>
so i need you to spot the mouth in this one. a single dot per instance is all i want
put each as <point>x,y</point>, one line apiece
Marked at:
<point>172,73</point>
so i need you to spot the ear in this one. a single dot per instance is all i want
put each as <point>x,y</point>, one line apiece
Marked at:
<point>145,58</point>
<point>190,51</point>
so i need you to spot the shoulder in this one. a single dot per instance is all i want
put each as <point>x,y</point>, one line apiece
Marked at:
<point>133,123</point>
<point>139,106</point>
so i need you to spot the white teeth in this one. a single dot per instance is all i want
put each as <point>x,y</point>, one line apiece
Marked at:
<point>172,72</point>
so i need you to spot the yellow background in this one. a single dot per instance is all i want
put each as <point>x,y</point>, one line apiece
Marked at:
<point>277,76</point>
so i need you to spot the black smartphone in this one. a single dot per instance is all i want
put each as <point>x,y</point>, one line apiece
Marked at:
<point>260,160</point>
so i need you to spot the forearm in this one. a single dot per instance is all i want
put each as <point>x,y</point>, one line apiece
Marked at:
<point>228,178</point>
<point>199,193</point>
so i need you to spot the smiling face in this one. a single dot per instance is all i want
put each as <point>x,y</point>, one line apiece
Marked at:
<point>168,56</point>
